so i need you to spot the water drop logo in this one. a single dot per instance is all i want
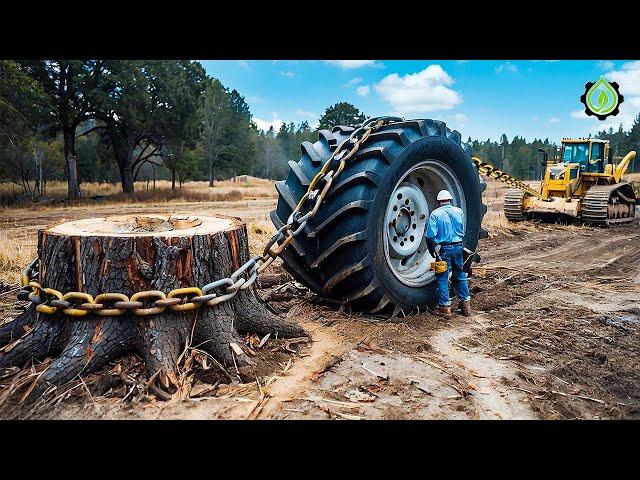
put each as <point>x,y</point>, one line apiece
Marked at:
<point>601,99</point>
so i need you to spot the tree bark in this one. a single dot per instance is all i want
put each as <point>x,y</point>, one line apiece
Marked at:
<point>212,178</point>
<point>71,162</point>
<point>123,149</point>
<point>125,165</point>
<point>126,255</point>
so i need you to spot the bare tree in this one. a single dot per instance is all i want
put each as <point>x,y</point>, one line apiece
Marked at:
<point>271,152</point>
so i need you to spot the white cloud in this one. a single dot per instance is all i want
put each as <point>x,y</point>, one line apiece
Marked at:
<point>421,92</point>
<point>352,82</point>
<point>264,125</point>
<point>288,74</point>
<point>628,79</point>
<point>535,118</point>
<point>605,64</point>
<point>363,90</point>
<point>351,64</point>
<point>243,64</point>
<point>457,121</point>
<point>506,67</point>
<point>303,113</point>
<point>255,99</point>
<point>554,120</point>
<point>629,109</point>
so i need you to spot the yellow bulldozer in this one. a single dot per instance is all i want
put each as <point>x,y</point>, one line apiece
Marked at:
<point>584,183</point>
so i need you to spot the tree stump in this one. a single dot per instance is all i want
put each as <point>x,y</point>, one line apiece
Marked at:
<point>126,254</point>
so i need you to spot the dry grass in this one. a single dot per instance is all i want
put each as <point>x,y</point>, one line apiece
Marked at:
<point>259,234</point>
<point>494,220</point>
<point>14,256</point>
<point>244,188</point>
<point>633,179</point>
<point>16,250</point>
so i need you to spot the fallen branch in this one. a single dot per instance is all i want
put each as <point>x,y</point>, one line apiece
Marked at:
<point>583,397</point>
<point>159,393</point>
<point>348,416</point>
<point>336,402</point>
<point>266,281</point>
<point>279,297</point>
<point>462,347</point>
<point>326,366</point>
<point>524,390</point>
<point>463,391</point>
<point>435,365</point>
<point>382,377</point>
<point>591,399</point>
<point>293,341</point>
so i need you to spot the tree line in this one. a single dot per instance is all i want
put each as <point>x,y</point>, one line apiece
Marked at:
<point>126,120</point>
<point>522,159</point>
<point>122,121</point>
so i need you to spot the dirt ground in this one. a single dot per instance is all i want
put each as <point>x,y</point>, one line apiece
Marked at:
<point>555,334</point>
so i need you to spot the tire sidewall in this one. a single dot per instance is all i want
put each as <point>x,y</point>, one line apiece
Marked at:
<point>450,154</point>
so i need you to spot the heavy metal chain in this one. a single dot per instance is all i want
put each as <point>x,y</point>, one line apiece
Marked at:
<point>492,172</point>
<point>151,302</point>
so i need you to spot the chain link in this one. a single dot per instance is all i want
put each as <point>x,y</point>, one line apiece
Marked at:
<point>492,172</point>
<point>50,301</point>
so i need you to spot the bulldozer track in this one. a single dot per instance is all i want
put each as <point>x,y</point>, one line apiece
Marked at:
<point>597,207</point>
<point>513,205</point>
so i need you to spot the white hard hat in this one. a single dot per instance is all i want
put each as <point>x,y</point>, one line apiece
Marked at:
<point>444,195</point>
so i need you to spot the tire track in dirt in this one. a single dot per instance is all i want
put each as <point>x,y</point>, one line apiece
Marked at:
<point>446,382</point>
<point>492,397</point>
<point>563,305</point>
<point>325,349</point>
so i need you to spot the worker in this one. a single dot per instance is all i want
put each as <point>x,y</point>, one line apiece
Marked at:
<point>444,239</point>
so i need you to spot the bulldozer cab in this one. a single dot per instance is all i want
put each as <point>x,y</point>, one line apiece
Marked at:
<point>590,154</point>
<point>582,163</point>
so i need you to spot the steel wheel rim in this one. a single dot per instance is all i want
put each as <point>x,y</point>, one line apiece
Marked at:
<point>405,247</point>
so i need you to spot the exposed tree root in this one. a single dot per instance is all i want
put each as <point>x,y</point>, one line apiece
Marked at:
<point>82,345</point>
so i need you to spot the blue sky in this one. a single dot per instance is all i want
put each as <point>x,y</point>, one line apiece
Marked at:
<point>480,98</point>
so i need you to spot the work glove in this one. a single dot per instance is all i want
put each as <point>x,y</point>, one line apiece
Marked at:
<point>431,246</point>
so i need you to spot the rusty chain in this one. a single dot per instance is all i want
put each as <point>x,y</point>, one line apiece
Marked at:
<point>78,304</point>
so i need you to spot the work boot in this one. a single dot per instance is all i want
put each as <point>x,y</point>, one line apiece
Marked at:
<point>465,308</point>
<point>443,311</point>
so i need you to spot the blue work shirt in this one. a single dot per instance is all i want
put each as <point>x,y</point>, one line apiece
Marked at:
<point>446,224</point>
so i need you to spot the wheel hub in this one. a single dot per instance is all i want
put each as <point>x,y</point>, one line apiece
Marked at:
<point>402,222</point>
<point>406,218</point>
<point>408,212</point>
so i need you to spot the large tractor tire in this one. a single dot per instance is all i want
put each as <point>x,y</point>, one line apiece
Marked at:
<point>366,247</point>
